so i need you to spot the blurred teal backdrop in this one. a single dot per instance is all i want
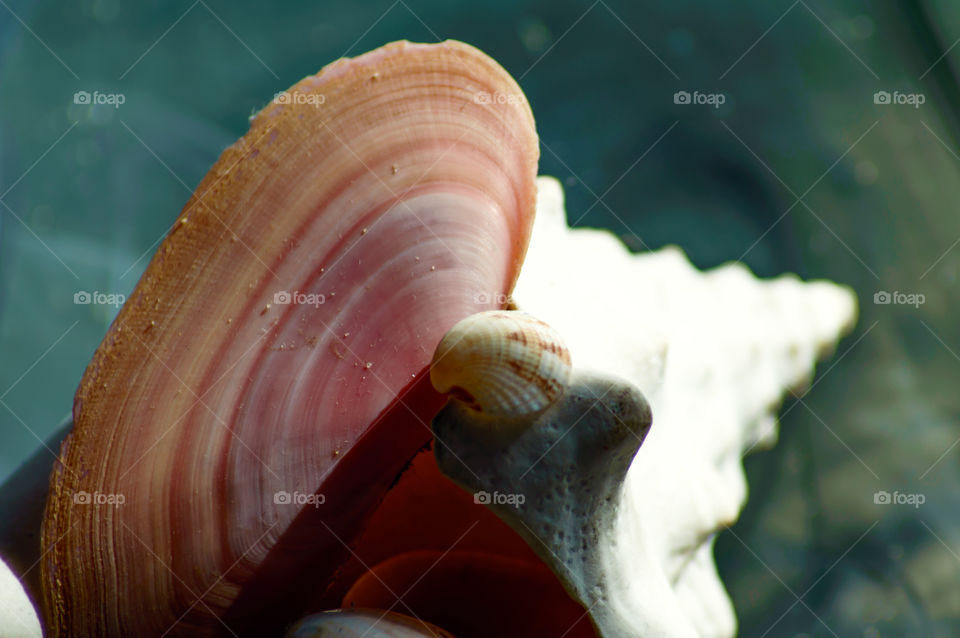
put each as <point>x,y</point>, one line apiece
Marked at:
<point>803,168</point>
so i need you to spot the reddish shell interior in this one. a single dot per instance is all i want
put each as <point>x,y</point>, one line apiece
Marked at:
<point>426,549</point>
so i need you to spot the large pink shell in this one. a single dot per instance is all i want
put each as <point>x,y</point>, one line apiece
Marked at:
<point>403,199</point>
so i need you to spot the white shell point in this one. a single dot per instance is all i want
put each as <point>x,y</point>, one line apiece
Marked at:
<point>18,618</point>
<point>502,363</point>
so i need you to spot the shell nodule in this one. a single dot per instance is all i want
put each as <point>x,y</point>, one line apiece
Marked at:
<point>502,363</point>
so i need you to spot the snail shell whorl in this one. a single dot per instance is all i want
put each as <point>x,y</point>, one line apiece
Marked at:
<point>502,363</point>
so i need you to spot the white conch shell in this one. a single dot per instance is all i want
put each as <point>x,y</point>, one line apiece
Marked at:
<point>713,353</point>
<point>502,363</point>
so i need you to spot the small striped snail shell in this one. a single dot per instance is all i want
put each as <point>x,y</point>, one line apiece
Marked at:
<point>502,363</point>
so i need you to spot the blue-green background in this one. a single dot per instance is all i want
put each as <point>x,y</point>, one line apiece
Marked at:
<point>812,554</point>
